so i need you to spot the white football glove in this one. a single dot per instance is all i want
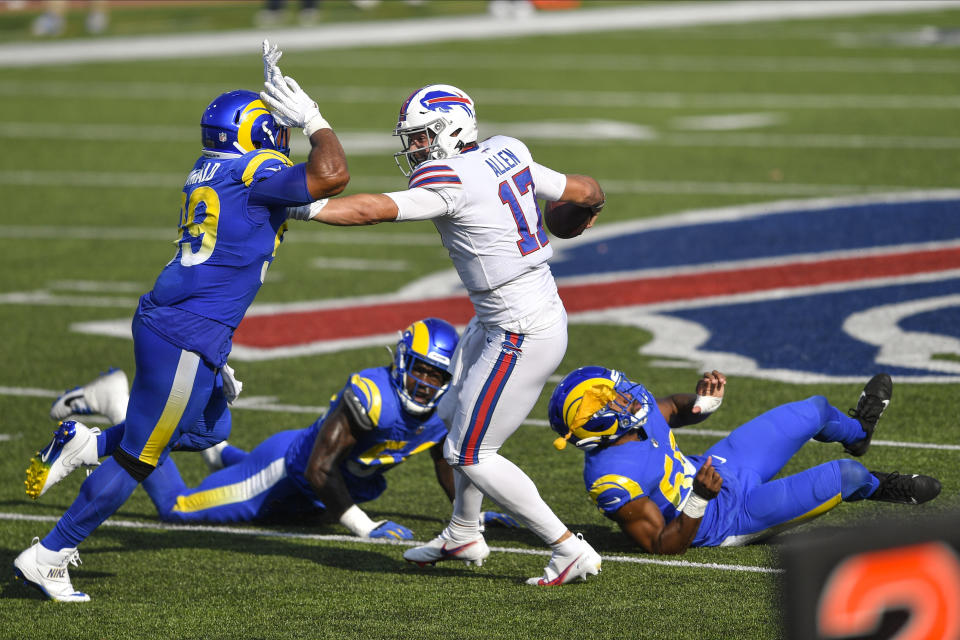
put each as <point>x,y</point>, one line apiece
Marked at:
<point>291,105</point>
<point>231,386</point>
<point>271,55</point>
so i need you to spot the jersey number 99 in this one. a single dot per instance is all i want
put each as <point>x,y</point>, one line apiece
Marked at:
<point>198,221</point>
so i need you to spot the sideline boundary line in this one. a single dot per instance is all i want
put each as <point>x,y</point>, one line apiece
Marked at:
<point>460,28</point>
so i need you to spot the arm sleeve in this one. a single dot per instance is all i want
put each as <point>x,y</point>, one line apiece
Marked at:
<point>421,203</point>
<point>548,184</point>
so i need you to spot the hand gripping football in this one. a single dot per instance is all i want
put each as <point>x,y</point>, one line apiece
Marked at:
<point>566,219</point>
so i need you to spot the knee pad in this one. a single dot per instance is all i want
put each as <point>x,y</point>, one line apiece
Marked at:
<point>138,469</point>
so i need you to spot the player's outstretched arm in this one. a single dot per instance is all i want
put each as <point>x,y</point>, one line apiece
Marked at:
<point>355,210</point>
<point>643,522</point>
<point>323,472</point>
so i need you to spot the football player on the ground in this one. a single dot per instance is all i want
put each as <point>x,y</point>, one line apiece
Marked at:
<point>231,222</point>
<point>667,502</point>
<point>482,197</point>
<point>381,417</point>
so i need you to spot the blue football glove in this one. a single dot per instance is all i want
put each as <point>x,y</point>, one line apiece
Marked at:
<point>492,518</point>
<point>390,529</point>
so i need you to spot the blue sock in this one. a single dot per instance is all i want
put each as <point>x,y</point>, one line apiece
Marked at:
<point>856,482</point>
<point>232,455</point>
<point>837,426</point>
<point>108,439</point>
<point>163,486</point>
<point>101,494</point>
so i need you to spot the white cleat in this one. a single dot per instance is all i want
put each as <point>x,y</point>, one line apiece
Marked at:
<point>52,580</point>
<point>73,444</point>
<point>443,548</point>
<point>213,456</point>
<point>566,568</point>
<point>107,395</point>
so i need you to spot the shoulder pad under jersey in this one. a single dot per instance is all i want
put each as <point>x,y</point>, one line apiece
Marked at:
<point>612,491</point>
<point>261,164</point>
<point>364,402</point>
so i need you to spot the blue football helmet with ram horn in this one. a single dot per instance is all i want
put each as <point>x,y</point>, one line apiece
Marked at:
<point>430,341</point>
<point>445,114</point>
<point>594,405</point>
<point>238,122</point>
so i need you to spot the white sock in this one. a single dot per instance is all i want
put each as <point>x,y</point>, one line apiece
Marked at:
<point>568,547</point>
<point>465,523</point>
<point>507,485</point>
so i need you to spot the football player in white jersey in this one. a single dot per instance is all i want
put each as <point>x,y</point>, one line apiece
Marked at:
<point>482,197</point>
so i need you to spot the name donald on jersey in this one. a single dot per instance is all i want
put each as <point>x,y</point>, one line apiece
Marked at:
<point>203,174</point>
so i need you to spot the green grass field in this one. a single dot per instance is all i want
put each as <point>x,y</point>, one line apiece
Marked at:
<point>95,156</point>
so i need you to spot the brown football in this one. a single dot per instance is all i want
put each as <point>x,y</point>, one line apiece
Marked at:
<point>565,219</point>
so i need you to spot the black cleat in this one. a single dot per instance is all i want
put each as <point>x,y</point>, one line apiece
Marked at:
<point>873,400</point>
<point>905,489</point>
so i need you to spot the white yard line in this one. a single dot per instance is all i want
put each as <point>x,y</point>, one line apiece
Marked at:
<point>541,98</point>
<point>268,403</point>
<point>291,535</point>
<point>457,29</point>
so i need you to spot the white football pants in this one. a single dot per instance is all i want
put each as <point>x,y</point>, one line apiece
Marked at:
<point>497,377</point>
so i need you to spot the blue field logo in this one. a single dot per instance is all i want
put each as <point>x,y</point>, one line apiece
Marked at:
<point>800,292</point>
<point>446,101</point>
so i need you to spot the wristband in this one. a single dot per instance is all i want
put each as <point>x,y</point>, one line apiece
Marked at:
<point>707,404</point>
<point>357,521</point>
<point>695,506</point>
<point>315,123</point>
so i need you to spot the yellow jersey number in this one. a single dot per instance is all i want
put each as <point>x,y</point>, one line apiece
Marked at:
<point>204,203</point>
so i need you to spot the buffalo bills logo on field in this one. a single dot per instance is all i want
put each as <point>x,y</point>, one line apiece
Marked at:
<point>803,291</point>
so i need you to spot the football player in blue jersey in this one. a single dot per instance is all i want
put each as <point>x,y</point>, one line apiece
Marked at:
<point>667,502</point>
<point>375,422</point>
<point>232,218</point>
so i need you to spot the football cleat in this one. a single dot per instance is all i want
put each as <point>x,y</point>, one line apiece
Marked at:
<point>107,395</point>
<point>905,489</point>
<point>52,580</point>
<point>873,401</point>
<point>566,568</point>
<point>443,548</point>
<point>73,444</point>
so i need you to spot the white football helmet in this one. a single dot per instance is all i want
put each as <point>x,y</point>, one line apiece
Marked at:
<point>447,116</point>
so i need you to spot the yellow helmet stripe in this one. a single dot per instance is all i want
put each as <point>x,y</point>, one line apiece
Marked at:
<point>248,116</point>
<point>421,337</point>
<point>571,405</point>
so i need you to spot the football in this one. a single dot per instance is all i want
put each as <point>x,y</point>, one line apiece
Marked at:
<point>565,219</point>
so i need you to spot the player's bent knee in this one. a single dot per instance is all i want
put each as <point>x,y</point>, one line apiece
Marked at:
<point>855,479</point>
<point>138,469</point>
<point>821,405</point>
